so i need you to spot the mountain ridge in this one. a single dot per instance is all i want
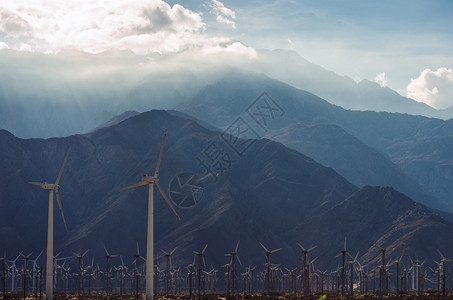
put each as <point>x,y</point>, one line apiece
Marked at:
<point>267,184</point>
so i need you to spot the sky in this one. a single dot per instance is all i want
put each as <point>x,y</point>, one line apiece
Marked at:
<point>405,45</point>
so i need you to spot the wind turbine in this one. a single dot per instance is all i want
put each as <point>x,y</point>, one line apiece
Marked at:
<point>306,270</point>
<point>51,188</point>
<point>201,262</point>
<point>136,270</point>
<point>397,275</point>
<point>442,267</point>
<point>107,270</point>
<point>167,268</point>
<point>35,268</point>
<point>343,261</point>
<point>268,253</point>
<point>150,181</point>
<point>80,279</point>
<point>14,271</point>
<point>351,281</point>
<point>234,257</point>
<point>25,271</point>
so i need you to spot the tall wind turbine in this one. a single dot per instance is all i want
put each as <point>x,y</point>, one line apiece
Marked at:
<point>51,188</point>
<point>150,181</point>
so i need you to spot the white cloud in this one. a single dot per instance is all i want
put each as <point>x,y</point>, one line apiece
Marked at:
<point>143,26</point>
<point>434,88</point>
<point>380,78</point>
<point>3,46</point>
<point>222,13</point>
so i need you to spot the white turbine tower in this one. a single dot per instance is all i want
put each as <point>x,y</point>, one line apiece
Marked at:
<point>150,181</point>
<point>51,188</point>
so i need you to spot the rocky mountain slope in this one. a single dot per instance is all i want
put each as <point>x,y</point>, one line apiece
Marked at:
<point>268,193</point>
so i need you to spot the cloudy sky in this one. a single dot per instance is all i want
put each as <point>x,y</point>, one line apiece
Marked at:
<point>405,45</point>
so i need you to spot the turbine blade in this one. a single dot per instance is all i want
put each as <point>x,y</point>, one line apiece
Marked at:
<point>312,248</point>
<point>265,249</point>
<point>303,249</point>
<point>62,167</point>
<point>106,252</point>
<point>160,155</point>
<point>166,199</point>
<point>237,246</point>
<point>85,252</point>
<point>276,250</point>
<point>35,183</point>
<point>345,244</point>
<point>204,262</point>
<point>61,209</point>
<point>440,253</point>
<point>173,251</point>
<point>239,260</point>
<point>38,255</point>
<point>134,185</point>
<point>401,257</point>
<point>204,249</point>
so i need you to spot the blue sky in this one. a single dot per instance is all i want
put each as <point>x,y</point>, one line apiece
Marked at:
<point>405,45</point>
<point>355,38</point>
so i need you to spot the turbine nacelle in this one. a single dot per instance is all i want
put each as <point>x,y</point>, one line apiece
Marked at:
<point>149,179</point>
<point>46,185</point>
<point>49,186</point>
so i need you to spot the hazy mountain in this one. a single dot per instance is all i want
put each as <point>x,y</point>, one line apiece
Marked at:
<point>70,93</point>
<point>117,119</point>
<point>339,90</point>
<point>362,146</point>
<point>269,194</point>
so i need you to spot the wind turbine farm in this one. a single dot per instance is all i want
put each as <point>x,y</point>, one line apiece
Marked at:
<point>224,150</point>
<point>282,271</point>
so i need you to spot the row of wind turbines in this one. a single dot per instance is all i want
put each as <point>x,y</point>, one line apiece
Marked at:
<point>349,279</point>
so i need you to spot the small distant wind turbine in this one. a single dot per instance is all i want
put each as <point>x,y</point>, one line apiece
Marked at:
<point>51,188</point>
<point>397,275</point>
<point>108,283</point>
<point>306,270</point>
<point>80,279</point>
<point>442,267</point>
<point>201,261</point>
<point>234,257</point>
<point>150,181</point>
<point>343,270</point>
<point>268,253</point>
<point>167,268</point>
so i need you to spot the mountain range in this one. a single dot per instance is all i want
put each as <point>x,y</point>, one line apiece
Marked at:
<point>370,148</point>
<point>71,96</point>
<point>266,192</point>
